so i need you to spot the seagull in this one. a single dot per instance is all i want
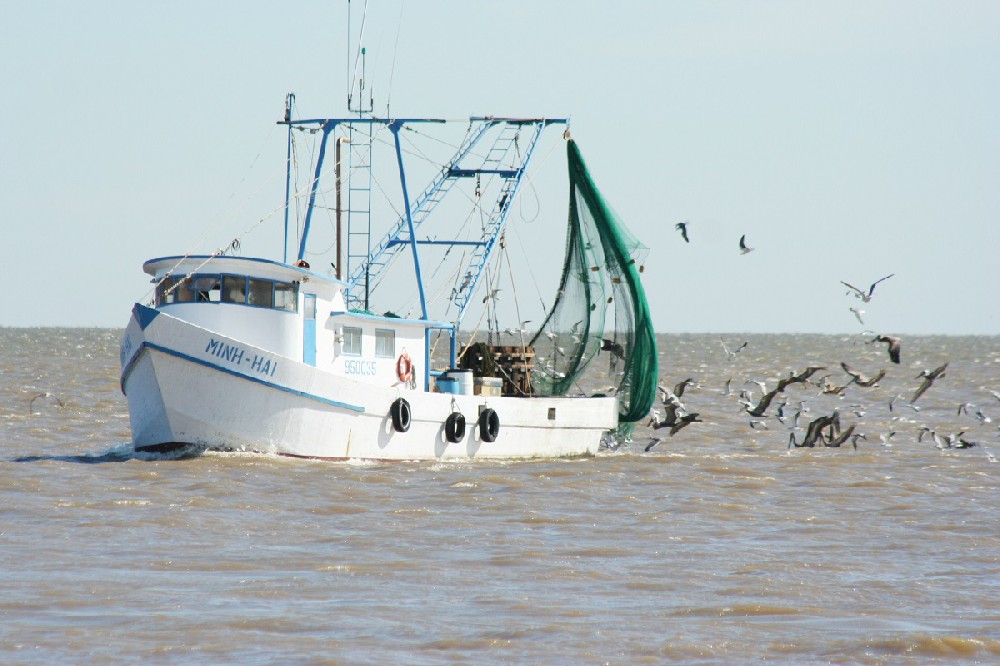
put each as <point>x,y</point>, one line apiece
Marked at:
<point>684,421</point>
<point>669,419</point>
<point>492,295</point>
<point>892,402</point>
<point>929,377</point>
<point>893,346</point>
<point>835,442</point>
<point>679,388</point>
<point>683,228</point>
<point>780,412</point>
<point>865,296</point>
<point>615,348</point>
<point>814,431</point>
<point>805,374</point>
<point>727,390</point>
<point>764,403</point>
<point>831,389</point>
<point>954,441</point>
<point>743,245</point>
<point>857,313</point>
<point>44,394</point>
<point>732,354</point>
<point>860,379</point>
<point>653,442</point>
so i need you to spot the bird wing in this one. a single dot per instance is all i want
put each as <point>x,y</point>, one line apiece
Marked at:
<point>857,291</point>
<point>851,371</point>
<point>872,288</point>
<point>923,388</point>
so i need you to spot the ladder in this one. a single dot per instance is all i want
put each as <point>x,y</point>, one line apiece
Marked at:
<point>507,158</point>
<point>507,148</point>
<point>359,202</point>
<point>371,262</point>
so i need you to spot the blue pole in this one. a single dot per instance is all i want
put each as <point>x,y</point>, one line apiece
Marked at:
<point>328,127</point>
<point>395,127</point>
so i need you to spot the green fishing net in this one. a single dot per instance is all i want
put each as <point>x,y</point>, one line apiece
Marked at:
<point>600,312</point>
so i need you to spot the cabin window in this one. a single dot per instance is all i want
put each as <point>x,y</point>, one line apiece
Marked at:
<point>352,341</point>
<point>385,343</point>
<point>285,296</point>
<point>163,293</point>
<point>207,288</point>
<point>238,289</point>
<point>261,293</point>
<point>182,291</point>
<point>234,289</point>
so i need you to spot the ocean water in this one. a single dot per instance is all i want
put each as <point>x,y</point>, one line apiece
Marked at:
<point>720,545</point>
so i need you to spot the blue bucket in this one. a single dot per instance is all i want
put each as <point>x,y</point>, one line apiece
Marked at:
<point>447,384</point>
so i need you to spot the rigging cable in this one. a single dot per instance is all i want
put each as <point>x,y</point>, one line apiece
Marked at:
<point>392,68</point>
<point>357,58</point>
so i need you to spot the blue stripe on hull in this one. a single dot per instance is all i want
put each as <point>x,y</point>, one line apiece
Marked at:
<point>208,364</point>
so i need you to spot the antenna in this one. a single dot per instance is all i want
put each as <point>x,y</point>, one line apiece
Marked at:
<point>357,76</point>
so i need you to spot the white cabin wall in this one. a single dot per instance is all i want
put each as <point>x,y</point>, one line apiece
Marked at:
<point>278,331</point>
<point>367,367</point>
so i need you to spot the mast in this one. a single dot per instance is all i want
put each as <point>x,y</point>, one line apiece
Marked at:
<point>289,100</point>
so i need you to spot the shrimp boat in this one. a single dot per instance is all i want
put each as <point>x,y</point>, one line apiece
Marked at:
<point>256,354</point>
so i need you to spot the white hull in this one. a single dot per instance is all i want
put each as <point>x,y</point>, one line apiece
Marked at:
<point>189,385</point>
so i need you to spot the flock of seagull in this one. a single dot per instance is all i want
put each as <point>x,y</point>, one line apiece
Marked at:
<point>824,429</point>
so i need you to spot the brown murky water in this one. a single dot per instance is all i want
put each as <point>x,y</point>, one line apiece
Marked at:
<point>721,545</point>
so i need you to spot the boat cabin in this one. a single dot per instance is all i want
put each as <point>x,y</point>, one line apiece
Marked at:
<point>291,311</point>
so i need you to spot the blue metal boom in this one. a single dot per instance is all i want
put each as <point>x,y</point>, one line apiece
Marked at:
<point>506,159</point>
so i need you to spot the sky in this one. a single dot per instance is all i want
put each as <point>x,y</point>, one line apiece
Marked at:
<point>848,140</point>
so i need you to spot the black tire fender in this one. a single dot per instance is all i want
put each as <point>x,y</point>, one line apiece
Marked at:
<point>454,427</point>
<point>489,425</point>
<point>400,413</point>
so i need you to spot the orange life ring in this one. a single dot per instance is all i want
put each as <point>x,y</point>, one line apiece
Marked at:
<point>404,368</point>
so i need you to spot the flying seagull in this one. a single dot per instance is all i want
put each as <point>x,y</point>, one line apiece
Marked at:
<point>743,245</point>
<point>929,377</point>
<point>732,354</point>
<point>44,394</point>
<point>683,421</point>
<point>863,295</point>
<point>653,441</point>
<point>679,387</point>
<point>835,442</point>
<point>858,312</point>
<point>893,346</point>
<point>861,379</point>
<point>814,431</point>
<point>683,228</point>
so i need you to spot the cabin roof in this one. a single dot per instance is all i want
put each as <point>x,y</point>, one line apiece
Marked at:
<point>402,321</point>
<point>254,267</point>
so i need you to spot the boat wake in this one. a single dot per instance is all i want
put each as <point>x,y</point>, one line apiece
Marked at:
<point>118,454</point>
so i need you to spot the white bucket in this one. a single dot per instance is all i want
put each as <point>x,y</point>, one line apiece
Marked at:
<point>465,381</point>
